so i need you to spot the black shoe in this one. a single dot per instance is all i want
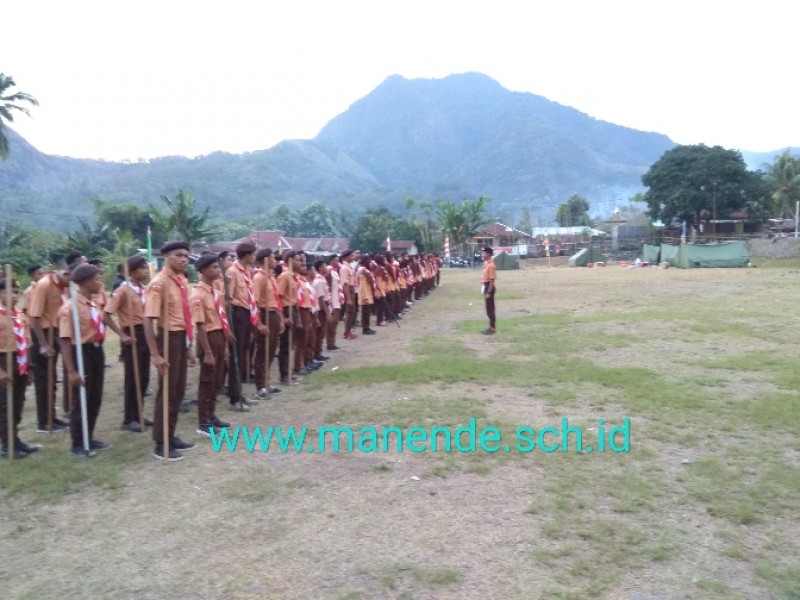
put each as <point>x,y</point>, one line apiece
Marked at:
<point>184,407</point>
<point>205,429</point>
<point>369,332</point>
<point>313,366</point>
<point>133,426</point>
<point>148,422</point>
<point>173,455</point>
<point>17,453</point>
<point>238,407</point>
<point>42,428</point>
<point>219,423</point>
<point>321,358</point>
<point>192,402</point>
<point>177,443</point>
<point>21,446</point>
<point>274,390</point>
<point>489,331</point>
<point>80,451</point>
<point>60,422</point>
<point>98,445</point>
<point>333,348</point>
<point>287,381</point>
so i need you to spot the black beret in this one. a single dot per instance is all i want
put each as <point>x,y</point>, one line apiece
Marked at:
<point>488,250</point>
<point>345,254</point>
<point>136,262</point>
<point>83,272</point>
<point>33,268</point>
<point>205,260</point>
<point>171,246</point>
<point>245,248</point>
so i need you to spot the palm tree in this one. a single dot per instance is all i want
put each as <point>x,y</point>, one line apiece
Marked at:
<point>187,225</point>
<point>784,179</point>
<point>9,102</point>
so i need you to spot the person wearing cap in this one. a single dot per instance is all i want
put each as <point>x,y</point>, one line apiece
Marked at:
<point>46,299</point>
<point>337,302</point>
<point>367,288</point>
<point>35,272</point>
<point>347,276</point>
<point>244,314</point>
<point>127,304</point>
<point>174,319</point>
<point>213,337</point>
<point>287,289</point>
<point>13,340</point>
<point>88,340</point>
<point>488,277</point>
<point>270,325</point>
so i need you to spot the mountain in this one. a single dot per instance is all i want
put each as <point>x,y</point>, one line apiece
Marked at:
<point>761,161</point>
<point>451,138</point>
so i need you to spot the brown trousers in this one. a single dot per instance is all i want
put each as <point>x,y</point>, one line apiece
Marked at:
<point>94,373</point>
<point>366,309</point>
<point>490,311</point>
<point>18,400</point>
<point>131,402</point>
<point>301,316</point>
<point>311,337</point>
<point>211,378</point>
<point>333,324</point>
<point>178,366</point>
<point>266,346</point>
<point>39,366</point>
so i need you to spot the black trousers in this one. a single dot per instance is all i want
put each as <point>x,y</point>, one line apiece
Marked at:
<point>39,365</point>
<point>243,332</point>
<point>94,372</point>
<point>178,366</point>
<point>131,402</point>
<point>490,312</point>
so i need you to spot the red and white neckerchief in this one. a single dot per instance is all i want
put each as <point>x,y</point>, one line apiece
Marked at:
<point>223,316</point>
<point>311,295</point>
<point>180,281</point>
<point>20,341</point>
<point>276,295</point>
<point>300,285</point>
<point>370,278</point>
<point>251,297</point>
<point>97,324</point>
<point>61,288</point>
<point>138,290</point>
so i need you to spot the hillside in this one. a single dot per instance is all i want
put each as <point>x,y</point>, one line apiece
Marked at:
<point>461,136</point>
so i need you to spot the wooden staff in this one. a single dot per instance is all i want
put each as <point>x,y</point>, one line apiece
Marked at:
<point>165,395</point>
<point>10,439</point>
<point>134,348</point>
<point>77,342</point>
<point>290,270</point>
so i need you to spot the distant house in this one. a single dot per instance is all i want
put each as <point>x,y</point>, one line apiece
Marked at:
<point>502,238</point>
<point>400,246</point>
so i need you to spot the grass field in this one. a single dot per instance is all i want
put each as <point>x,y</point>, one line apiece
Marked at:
<point>706,504</point>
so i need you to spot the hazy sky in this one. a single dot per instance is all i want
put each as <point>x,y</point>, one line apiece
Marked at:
<point>126,79</point>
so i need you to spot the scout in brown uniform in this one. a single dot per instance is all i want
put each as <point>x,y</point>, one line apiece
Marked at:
<point>270,326</point>
<point>322,293</point>
<point>347,278</point>
<point>244,317</point>
<point>89,341</point>
<point>174,319</point>
<point>35,272</point>
<point>13,339</point>
<point>127,303</point>
<point>488,277</point>
<point>306,322</point>
<point>287,289</point>
<point>213,337</point>
<point>337,302</point>
<point>45,301</point>
<point>366,294</point>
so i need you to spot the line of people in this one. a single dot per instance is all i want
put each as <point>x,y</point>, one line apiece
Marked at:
<point>235,321</point>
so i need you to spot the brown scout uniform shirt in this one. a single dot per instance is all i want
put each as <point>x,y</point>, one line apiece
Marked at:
<point>154,302</point>
<point>128,305</point>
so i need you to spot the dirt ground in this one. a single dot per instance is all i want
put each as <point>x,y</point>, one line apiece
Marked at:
<point>664,521</point>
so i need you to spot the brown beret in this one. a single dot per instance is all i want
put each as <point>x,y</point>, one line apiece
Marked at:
<point>136,262</point>
<point>83,272</point>
<point>205,260</point>
<point>172,246</point>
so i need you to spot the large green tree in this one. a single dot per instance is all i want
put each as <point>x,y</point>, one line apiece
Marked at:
<point>692,182</point>
<point>183,221</point>
<point>11,102</point>
<point>574,212</point>
<point>315,220</point>
<point>376,225</point>
<point>460,222</point>
<point>783,179</point>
